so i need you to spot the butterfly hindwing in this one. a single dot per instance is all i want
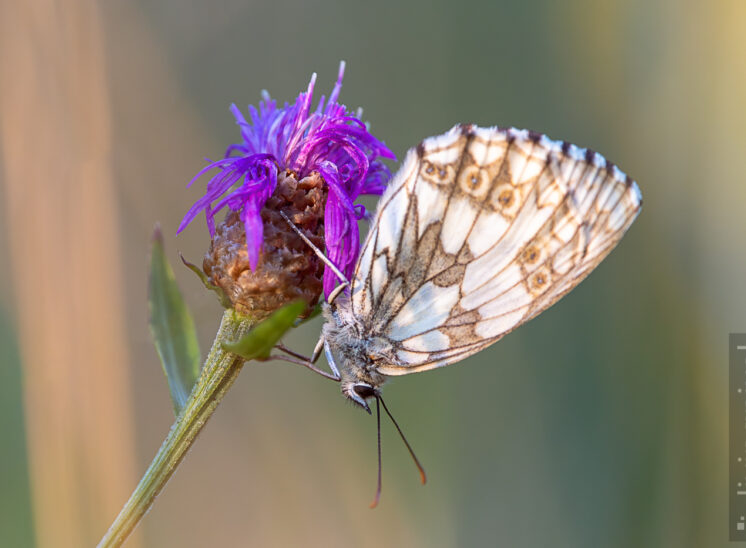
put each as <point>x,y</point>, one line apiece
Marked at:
<point>480,230</point>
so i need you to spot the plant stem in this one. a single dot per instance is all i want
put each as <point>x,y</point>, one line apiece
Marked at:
<point>220,370</point>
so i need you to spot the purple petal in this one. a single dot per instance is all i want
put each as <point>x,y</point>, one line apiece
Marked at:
<point>252,220</point>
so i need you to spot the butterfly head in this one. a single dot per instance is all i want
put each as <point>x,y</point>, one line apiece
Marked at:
<point>359,393</point>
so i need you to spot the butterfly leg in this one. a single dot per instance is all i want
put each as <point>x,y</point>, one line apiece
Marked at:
<point>292,353</point>
<point>336,291</point>
<point>317,349</point>
<point>305,363</point>
<point>314,357</point>
<point>299,359</point>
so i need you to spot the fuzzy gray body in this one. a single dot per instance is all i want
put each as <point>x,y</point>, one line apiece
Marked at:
<point>357,354</point>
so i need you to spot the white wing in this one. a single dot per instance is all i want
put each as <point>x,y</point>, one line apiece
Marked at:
<point>481,230</point>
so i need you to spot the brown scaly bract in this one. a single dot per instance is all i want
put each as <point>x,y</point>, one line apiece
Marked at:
<point>287,269</point>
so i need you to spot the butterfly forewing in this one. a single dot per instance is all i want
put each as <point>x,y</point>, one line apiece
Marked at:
<point>480,230</point>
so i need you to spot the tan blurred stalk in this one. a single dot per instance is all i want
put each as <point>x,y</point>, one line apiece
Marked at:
<point>63,236</point>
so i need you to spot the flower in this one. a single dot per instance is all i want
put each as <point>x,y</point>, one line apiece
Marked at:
<point>297,141</point>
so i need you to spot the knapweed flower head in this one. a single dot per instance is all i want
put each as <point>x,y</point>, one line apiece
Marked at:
<point>326,147</point>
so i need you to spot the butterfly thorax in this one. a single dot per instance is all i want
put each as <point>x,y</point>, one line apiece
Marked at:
<point>356,353</point>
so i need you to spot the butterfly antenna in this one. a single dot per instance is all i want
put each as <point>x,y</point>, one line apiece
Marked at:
<point>319,253</point>
<point>378,419</point>
<point>423,477</point>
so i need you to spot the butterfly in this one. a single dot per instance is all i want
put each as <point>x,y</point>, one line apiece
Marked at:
<point>480,230</point>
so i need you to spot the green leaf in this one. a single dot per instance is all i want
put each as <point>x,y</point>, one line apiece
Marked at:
<point>316,311</point>
<point>171,326</point>
<point>258,343</point>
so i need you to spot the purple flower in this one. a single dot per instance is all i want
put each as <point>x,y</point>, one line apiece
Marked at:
<point>329,140</point>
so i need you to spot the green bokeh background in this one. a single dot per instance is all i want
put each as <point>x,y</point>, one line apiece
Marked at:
<point>603,422</point>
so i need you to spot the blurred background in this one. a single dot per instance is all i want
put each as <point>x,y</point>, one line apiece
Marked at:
<point>601,423</point>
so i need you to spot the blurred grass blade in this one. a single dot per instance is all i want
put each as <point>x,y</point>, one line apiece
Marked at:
<point>171,326</point>
<point>258,343</point>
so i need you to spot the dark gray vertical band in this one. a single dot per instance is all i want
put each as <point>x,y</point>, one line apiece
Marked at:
<point>737,440</point>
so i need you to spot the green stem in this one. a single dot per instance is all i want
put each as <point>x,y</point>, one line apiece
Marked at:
<point>220,370</point>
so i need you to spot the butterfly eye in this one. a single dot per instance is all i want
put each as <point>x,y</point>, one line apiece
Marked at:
<point>364,390</point>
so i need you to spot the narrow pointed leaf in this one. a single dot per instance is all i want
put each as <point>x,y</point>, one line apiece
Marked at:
<point>222,297</point>
<point>258,343</point>
<point>171,327</point>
